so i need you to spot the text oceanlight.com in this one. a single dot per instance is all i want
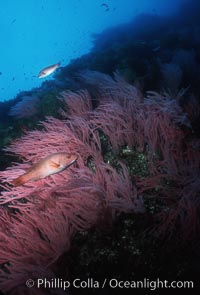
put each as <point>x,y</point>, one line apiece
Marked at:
<point>57,283</point>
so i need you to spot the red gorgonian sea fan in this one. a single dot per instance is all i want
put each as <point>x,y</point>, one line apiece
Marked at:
<point>41,217</point>
<point>47,213</point>
<point>26,108</point>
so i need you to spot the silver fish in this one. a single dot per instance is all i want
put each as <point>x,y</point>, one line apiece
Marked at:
<point>48,70</point>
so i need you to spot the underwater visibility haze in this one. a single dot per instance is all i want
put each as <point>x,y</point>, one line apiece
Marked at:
<point>99,146</point>
<point>36,34</point>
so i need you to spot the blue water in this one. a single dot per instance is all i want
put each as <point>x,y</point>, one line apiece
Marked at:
<point>35,34</point>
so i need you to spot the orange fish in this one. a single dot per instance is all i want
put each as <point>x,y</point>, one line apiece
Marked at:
<point>49,165</point>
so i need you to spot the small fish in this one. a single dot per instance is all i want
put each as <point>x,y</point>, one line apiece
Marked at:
<point>48,70</point>
<point>49,165</point>
<point>105,5</point>
<point>156,49</point>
